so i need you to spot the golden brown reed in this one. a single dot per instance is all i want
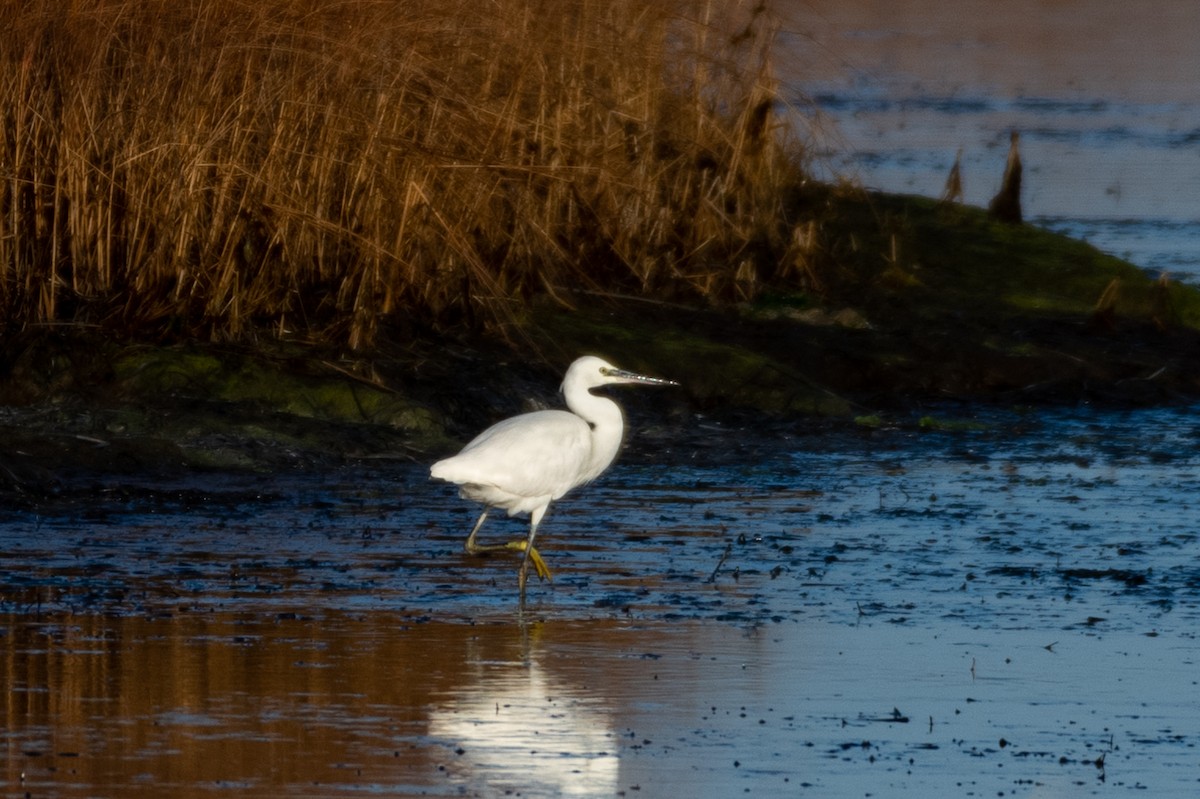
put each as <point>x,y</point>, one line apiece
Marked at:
<point>213,167</point>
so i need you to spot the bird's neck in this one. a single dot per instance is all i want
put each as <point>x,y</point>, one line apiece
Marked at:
<point>598,412</point>
<point>607,422</point>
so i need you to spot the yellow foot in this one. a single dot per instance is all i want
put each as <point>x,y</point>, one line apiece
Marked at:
<point>543,572</point>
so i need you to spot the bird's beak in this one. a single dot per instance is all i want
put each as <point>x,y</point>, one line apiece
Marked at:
<point>622,376</point>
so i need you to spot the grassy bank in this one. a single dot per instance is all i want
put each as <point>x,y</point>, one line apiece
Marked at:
<point>180,168</point>
<point>268,234</point>
<point>963,311</point>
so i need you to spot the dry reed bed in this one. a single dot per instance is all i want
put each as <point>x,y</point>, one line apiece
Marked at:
<point>214,167</point>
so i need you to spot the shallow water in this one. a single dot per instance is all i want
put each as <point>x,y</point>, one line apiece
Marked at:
<point>1007,607</point>
<point>1102,91</point>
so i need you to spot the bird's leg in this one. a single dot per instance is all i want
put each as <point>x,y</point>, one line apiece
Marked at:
<point>531,556</point>
<point>523,545</point>
<point>471,547</point>
<point>531,553</point>
<point>523,572</point>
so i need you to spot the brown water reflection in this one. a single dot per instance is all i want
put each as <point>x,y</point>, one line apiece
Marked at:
<point>188,704</point>
<point>344,704</point>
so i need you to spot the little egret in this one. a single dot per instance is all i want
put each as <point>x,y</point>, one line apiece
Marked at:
<point>524,463</point>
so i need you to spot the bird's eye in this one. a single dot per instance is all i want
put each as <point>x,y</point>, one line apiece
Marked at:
<point>604,370</point>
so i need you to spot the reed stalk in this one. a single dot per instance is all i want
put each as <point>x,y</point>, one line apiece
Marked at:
<point>216,167</point>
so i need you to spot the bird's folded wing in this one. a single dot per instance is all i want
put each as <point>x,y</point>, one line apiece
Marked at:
<point>542,454</point>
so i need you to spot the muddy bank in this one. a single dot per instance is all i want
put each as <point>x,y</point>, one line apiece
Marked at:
<point>961,309</point>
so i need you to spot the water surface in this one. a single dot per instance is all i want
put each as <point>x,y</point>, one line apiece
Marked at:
<point>1102,91</point>
<point>1006,607</point>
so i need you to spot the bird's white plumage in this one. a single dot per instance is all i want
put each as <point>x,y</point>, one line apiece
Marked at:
<point>524,463</point>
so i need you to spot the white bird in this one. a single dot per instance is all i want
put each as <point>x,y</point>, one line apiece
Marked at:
<point>522,464</point>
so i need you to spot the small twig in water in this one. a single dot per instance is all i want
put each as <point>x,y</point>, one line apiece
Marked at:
<point>712,578</point>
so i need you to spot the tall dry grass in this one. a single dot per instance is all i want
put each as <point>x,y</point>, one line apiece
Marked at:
<point>210,167</point>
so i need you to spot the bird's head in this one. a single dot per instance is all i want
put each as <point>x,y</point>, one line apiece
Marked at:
<point>590,372</point>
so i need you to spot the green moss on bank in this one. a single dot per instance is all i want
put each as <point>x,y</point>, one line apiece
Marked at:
<point>266,385</point>
<point>717,374</point>
<point>923,303</point>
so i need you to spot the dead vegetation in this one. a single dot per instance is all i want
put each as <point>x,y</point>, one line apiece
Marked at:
<point>215,167</point>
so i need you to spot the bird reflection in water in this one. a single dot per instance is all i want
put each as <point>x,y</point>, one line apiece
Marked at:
<point>514,725</point>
